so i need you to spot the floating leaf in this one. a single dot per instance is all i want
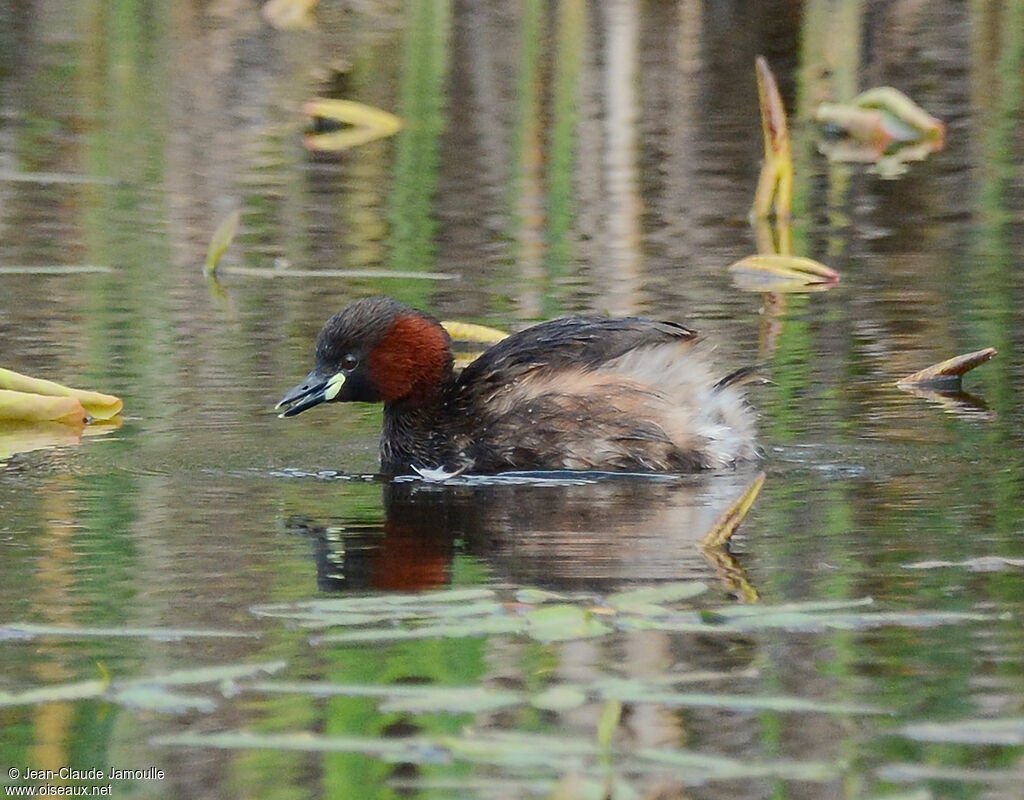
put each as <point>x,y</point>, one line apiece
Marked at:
<point>947,375</point>
<point>289,272</point>
<point>637,691</point>
<point>780,273</point>
<point>407,750</point>
<point>537,596</point>
<point>152,697</point>
<point>290,15</point>
<point>776,180</point>
<point>32,630</point>
<point>487,626</point>
<point>559,698</point>
<point>412,699</point>
<point>343,124</point>
<point>802,607</point>
<point>522,749</point>
<point>749,619</point>
<point>461,700</point>
<point>563,622</point>
<point>851,622</point>
<point>979,564</point>
<point>725,526</point>
<point>53,269</point>
<point>221,241</point>
<point>529,750</point>
<point>1005,731</point>
<point>457,602</point>
<point>25,407</point>
<point>100,406</point>
<point>646,600</point>
<point>215,674</point>
<point>909,773</point>
<point>701,767</point>
<point>317,618</point>
<point>149,693</point>
<point>54,694</point>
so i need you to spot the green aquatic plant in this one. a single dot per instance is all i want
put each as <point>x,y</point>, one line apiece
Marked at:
<point>221,240</point>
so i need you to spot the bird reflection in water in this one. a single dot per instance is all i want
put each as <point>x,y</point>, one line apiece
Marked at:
<point>563,531</point>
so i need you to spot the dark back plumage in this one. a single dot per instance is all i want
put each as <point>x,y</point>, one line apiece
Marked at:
<point>579,342</point>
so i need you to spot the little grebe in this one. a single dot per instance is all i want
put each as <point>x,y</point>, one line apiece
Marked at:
<point>575,393</point>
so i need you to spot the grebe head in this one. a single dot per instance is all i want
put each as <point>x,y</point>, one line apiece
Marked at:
<point>374,350</point>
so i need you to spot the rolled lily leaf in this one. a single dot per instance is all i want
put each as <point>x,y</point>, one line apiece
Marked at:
<point>99,406</point>
<point>776,180</point>
<point>947,375</point>
<point>775,273</point>
<point>342,124</point>
<point>470,340</point>
<point>881,126</point>
<point>468,332</point>
<point>897,105</point>
<point>26,407</point>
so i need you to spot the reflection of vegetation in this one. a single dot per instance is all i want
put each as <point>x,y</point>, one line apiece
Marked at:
<point>562,150</point>
<point>422,106</point>
<point>410,703</point>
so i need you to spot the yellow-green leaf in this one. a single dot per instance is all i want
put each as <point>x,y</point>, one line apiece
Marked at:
<point>221,241</point>
<point>100,406</point>
<point>949,373</point>
<point>342,124</point>
<point>777,273</point>
<point>726,524</point>
<point>897,105</point>
<point>469,332</point>
<point>776,180</point>
<point>25,407</point>
<point>880,126</point>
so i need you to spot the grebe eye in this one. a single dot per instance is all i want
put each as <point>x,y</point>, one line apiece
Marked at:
<point>349,362</point>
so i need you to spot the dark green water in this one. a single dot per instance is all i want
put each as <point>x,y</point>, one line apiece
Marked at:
<point>555,157</point>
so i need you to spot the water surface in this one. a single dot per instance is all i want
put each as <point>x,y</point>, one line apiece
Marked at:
<point>562,157</point>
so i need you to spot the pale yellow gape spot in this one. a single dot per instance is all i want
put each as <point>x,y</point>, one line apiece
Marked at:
<point>334,385</point>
